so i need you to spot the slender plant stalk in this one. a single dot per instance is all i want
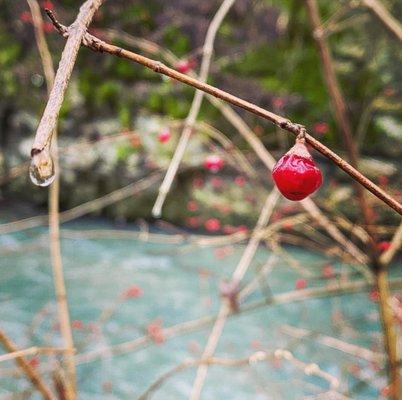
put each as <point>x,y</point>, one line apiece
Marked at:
<point>380,270</point>
<point>36,380</point>
<point>54,221</point>
<point>194,109</point>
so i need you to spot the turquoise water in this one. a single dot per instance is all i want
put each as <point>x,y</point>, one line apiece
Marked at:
<point>179,283</point>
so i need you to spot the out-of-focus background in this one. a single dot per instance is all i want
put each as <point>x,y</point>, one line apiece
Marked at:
<point>129,275</point>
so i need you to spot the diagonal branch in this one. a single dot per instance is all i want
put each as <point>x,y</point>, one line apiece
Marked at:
<point>98,45</point>
<point>377,8</point>
<point>29,371</point>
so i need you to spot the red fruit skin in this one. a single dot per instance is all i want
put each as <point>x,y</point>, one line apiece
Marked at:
<point>296,174</point>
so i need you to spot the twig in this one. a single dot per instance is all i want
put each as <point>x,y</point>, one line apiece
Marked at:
<point>227,302</point>
<point>85,208</point>
<point>29,371</point>
<point>35,350</point>
<point>396,244</point>
<point>195,107</point>
<point>98,45</point>
<point>76,34</point>
<point>377,8</point>
<point>352,349</point>
<point>259,356</point>
<point>380,270</point>
<point>54,222</point>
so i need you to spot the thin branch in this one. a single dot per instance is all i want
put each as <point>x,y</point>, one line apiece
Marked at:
<point>259,356</point>
<point>195,107</point>
<point>29,371</point>
<point>34,350</point>
<point>76,33</point>
<point>98,45</point>
<point>255,143</point>
<point>227,302</point>
<point>378,9</point>
<point>54,222</point>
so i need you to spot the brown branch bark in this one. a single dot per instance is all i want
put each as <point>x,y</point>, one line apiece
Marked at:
<point>98,45</point>
<point>29,371</point>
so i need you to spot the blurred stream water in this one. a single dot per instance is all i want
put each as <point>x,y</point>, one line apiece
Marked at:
<point>179,283</point>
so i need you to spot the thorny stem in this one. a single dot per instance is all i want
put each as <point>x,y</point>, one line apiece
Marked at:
<point>98,45</point>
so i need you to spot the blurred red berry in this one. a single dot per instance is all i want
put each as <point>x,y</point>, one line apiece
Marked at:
<point>228,229</point>
<point>164,136</point>
<point>193,222</point>
<point>212,225</point>
<point>47,4</point>
<point>25,17</point>
<point>240,181</point>
<point>278,102</point>
<point>154,330</point>
<point>192,206</point>
<point>383,246</point>
<point>34,362</point>
<point>47,27</point>
<point>216,182</point>
<point>133,292</point>
<point>198,183</point>
<point>77,324</point>
<point>328,271</point>
<point>287,226</point>
<point>383,180</point>
<point>242,229</point>
<point>374,295</point>
<point>184,66</point>
<point>321,128</point>
<point>301,283</point>
<point>213,163</point>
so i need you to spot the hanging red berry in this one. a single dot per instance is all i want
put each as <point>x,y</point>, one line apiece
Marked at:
<point>164,136</point>
<point>296,174</point>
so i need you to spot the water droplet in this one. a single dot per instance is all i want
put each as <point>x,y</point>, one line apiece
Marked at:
<point>41,170</point>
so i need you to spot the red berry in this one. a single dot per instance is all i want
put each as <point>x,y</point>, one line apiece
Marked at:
<point>34,362</point>
<point>77,324</point>
<point>216,182</point>
<point>296,174</point>
<point>133,292</point>
<point>212,225</point>
<point>48,4</point>
<point>164,136</point>
<point>184,66</point>
<point>198,183</point>
<point>374,295</point>
<point>328,271</point>
<point>300,284</point>
<point>25,16</point>
<point>384,245</point>
<point>321,128</point>
<point>240,181</point>
<point>193,222</point>
<point>192,206</point>
<point>213,163</point>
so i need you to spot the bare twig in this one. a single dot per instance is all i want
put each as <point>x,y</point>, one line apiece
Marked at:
<point>29,371</point>
<point>195,107</point>
<point>76,33</point>
<point>98,45</point>
<point>54,222</point>
<point>378,9</point>
<point>259,356</point>
<point>34,350</point>
<point>379,269</point>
